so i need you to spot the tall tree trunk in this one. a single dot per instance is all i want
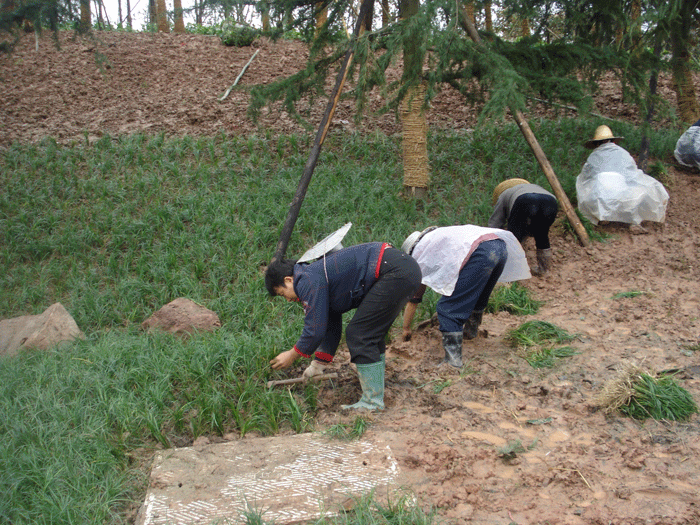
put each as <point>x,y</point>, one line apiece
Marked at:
<point>162,17</point>
<point>179,18</point>
<point>265,15</point>
<point>128,15</point>
<point>121,18</point>
<point>469,6</point>
<point>370,15</point>
<point>385,13</point>
<point>85,17</point>
<point>524,27</point>
<point>413,120</point>
<point>488,17</point>
<point>321,16</point>
<point>152,12</point>
<point>688,107</point>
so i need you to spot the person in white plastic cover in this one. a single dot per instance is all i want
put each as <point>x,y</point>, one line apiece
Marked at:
<point>463,264</point>
<point>687,150</point>
<point>610,187</point>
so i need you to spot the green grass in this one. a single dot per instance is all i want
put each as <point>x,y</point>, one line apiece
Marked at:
<point>116,229</point>
<point>513,298</point>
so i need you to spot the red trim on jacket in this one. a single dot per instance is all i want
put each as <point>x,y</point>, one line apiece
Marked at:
<point>302,354</point>
<point>379,261</point>
<point>323,356</point>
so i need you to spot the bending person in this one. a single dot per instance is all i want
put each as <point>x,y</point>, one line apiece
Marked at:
<point>529,211</point>
<point>374,279</point>
<point>463,264</point>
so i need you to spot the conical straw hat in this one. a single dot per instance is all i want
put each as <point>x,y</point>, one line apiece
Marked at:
<point>327,245</point>
<point>503,186</point>
<point>601,133</point>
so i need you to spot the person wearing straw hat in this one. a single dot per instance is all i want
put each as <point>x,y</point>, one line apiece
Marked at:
<point>463,264</point>
<point>374,279</point>
<point>610,186</point>
<point>687,150</point>
<point>529,211</point>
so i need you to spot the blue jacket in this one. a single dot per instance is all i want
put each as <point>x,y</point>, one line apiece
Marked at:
<point>329,287</point>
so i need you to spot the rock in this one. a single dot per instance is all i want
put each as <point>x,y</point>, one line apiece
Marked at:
<point>183,316</point>
<point>54,326</point>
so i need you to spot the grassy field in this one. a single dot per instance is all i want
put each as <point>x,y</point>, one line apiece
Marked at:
<point>116,229</point>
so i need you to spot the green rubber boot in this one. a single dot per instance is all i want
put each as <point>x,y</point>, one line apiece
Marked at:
<point>372,383</point>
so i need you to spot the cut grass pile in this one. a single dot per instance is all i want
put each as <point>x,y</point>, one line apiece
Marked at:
<point>513,298</point>
<point>643,394</point>
<point>536,342</point>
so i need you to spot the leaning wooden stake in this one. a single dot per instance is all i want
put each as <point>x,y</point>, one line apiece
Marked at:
<point>295,206</point>
<point>226,93</point>
<point>468,26</point>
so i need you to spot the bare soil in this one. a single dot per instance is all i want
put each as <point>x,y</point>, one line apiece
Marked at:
<point>448,431</point>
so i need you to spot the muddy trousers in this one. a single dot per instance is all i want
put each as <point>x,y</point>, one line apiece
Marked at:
<point>475,283</point>
<point>399,278</point>
<point>532,215</point>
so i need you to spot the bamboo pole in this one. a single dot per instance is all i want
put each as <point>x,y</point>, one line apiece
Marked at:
<point>295,205</point>
<point>468,26</point>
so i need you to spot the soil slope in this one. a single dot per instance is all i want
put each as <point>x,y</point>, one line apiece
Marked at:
<point>578,465</point>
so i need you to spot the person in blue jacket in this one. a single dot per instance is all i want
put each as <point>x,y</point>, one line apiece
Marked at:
<point>374,279</point>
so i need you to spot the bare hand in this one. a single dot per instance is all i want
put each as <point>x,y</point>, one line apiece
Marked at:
<point>284,359</point>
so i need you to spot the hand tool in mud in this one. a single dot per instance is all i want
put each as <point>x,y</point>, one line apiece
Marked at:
<point>294,380</point>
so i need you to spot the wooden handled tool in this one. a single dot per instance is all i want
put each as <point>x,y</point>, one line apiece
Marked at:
<point>292,381</point>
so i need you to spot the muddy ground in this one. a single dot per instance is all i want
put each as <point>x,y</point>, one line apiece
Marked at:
<point>448,431</point>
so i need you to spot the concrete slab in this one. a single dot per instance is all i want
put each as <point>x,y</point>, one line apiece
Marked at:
<point>290,479</point>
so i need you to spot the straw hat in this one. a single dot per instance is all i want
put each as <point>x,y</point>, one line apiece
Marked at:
<point>601,133</point>
<point>503,186</point>
<point>412,240</point>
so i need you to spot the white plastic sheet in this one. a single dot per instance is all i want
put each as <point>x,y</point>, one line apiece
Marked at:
<point>610,187</point>
<point>687,150</point>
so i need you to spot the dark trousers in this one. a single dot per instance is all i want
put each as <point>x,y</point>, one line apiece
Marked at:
<point>399,278</point>
<point>475,283</point>
<point>532,215</point>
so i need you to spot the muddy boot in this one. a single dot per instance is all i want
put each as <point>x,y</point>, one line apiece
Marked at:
<point>544,258</point>
<point>452,343</point>
<point>372,382</point>
<point>471,327</point>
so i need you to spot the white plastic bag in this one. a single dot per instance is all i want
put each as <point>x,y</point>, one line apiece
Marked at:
<point>610,187</point>
<point>687,150</point>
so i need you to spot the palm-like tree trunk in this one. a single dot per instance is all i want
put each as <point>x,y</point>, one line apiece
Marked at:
<point>162,16</point>
<point>688,107</point>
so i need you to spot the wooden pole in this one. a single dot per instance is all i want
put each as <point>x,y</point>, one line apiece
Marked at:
<point>295,380</point>
<point>468,26</point>
<point>295,205</point>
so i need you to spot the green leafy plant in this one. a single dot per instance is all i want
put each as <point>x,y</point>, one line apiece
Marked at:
<point>238,35</point>
<point>344,431</point>
<point>513,298</point>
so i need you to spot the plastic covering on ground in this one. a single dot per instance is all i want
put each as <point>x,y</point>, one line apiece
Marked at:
<point>610,187</point>
<point>687,150</point>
